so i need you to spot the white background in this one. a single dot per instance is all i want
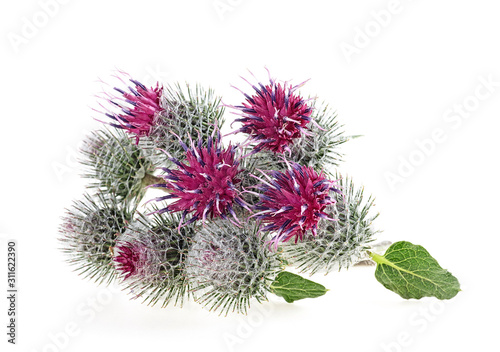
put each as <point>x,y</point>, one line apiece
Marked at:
<point>395,88</point>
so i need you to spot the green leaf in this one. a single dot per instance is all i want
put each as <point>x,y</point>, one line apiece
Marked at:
<point>410,271</point>
<point>293,287</point>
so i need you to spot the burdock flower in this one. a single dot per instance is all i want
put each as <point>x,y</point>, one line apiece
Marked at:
<point>275,116</point>
<point>341,243</point>
<point>205,183</point>
<point>294,201</point>
<point>137,106</point>
<point>150,258</point>
<point>130,258</point>
<point>187,110</point>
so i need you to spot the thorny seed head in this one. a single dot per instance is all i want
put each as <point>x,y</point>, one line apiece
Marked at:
<point>229,266</point>
<point>205,183</point>
<point>135,107</point>
<point>89,231</point>
<point>130,258</point>
<point>274,116</point>
<point>320,149</point>
<point>150,257</point>
<point>114,164</point>
<point>340,243</point>
<point>294,201</point>
<point>186,110</point>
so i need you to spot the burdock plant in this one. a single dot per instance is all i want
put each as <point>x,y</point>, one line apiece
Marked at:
<point>318,149</point>
<point>154,116</point>
<point>274,116</point>
<point>206,183</point>
<point>229,266</point>
<point>115,165</point>
<point>293,202</point>
<point>232,217</point>
<point>340,243</point>
<point>89,231</point>
<point>186,110</point>
<point>150,258</point>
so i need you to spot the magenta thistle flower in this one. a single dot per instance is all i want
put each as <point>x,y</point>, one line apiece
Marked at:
<point>293,202</point>
<point>129,258</point>
<point>138,108</point>
<point>205,183</point>
<point>275,116</point>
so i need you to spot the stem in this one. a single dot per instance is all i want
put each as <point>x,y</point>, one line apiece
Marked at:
<point>379,259</point>
<point>373,257</point>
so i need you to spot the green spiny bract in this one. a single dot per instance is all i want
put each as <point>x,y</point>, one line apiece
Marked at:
<point>229,266</point>
<point>115,165</point>
<point>150,257</point>
<point>340,243</point>
<point>317,149</point>
<point>320,149</point>
<point>88,233</point>
<point>186,112</point>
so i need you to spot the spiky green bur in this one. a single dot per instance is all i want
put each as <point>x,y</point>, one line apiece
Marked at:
<point>338,243</point>
<point>157,274</point>
<point>230,266</point>
<point>116,165</point>
<point>186,112</point>
<point>88,233</point>
<point>318,149</point>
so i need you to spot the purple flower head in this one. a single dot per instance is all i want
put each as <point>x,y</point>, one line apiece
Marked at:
<point>130,258</point>
<point>293,202</point>
<point>137,108</point>
<point>274,116</point>
<point>205,184</point>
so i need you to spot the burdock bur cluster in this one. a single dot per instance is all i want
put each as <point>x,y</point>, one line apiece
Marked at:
<point>226,218</point>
